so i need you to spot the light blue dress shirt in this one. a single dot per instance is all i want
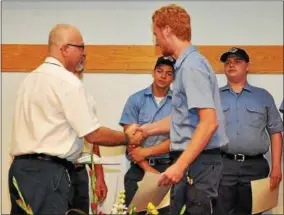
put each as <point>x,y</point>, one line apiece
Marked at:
<point>195,86</point>
<point>141,108</point>
<point>251,116</point>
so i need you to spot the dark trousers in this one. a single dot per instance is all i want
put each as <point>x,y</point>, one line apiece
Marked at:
<point>136,174</point>
<point>79,195</point>
<point>44,185</point>
<point>235,197</point>
<point>205,173</point>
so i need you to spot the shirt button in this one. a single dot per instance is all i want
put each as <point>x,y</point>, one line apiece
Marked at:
<point>238,132</point>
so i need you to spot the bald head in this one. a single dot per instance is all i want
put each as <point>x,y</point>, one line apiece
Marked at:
<point>65,43</point>
<point>63,34</point>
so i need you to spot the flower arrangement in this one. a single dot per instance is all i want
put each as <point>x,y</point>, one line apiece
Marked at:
<point>119,207</point>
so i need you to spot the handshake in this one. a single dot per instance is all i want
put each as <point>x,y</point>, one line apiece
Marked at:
<point>136,135</point>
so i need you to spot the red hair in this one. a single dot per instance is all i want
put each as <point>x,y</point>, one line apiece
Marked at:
<point>176,17</point>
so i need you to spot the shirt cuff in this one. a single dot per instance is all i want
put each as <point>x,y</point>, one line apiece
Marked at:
<point>88,131</point>
<point>276,129</point>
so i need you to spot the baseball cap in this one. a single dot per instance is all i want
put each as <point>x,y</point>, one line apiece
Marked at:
<point>237,52</point>
<point>165,60</point>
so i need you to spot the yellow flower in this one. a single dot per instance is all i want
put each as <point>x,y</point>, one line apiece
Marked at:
<point>122,196</point>
<point>132,210</point>
<point>154,212</point>
<point>150,206</point>
<point>151,209</point>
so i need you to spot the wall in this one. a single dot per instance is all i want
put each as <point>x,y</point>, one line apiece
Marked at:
<point>109,22</point>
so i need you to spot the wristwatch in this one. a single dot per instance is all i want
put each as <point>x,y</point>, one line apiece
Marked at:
<point>126,139</point>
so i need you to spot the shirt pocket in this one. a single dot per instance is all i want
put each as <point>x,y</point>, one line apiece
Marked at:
<point>226,110</point>
<point>257,116</point>
<point>144,118</point>
<point>179,111</point>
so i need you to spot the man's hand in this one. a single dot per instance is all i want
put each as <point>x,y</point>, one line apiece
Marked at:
<point>172,175</point>
<point>147,167</point>
<point>131,129</point>
<point>275,177</point>
<point>156,128</point>
<point>138,154</point>
<point>135,137</point>
<point>101,189</point>
<point>131,148</point>
<point>144,130</point>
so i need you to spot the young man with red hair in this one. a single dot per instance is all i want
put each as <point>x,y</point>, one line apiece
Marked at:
<point>196,123</point>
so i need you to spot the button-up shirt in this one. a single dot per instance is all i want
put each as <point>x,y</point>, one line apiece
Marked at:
<point>141,108</point>
<point>195,86</point>
<point>51,113</point>
<point>251,116</point>
<point>88,147</point>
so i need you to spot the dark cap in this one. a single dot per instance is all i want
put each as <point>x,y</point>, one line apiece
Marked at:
<point>165,60</point>
<point>237,52</point>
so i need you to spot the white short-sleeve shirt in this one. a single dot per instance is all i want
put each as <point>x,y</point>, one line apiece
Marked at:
<point>88,147</point>
<point>52,111</point>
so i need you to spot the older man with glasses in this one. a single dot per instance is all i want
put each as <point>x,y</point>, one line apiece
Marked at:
<point>51,113</point>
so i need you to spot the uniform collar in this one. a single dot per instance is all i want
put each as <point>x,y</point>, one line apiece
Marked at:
<point>149,91</point>
<point>247,87</point>
<point>184,54</point>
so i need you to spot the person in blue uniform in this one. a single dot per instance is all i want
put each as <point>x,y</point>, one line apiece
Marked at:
<point>253,124</point>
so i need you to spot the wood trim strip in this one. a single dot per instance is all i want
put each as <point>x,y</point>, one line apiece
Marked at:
<point>136,58</point>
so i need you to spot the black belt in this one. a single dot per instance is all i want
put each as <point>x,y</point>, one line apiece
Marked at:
<point>240,157</point>
<point>67,164</point>
<point>157,161</point>
<point>175,154</point>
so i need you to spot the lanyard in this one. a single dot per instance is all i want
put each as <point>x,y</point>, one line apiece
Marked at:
<point>53,64</point>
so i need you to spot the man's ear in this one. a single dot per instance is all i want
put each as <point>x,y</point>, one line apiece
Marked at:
<point>248,67</point>
<point>64,50</point>
<point>167,31</point>
<point>153,71</point>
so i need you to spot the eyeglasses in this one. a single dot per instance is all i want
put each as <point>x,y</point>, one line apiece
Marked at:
<point>78,46</point>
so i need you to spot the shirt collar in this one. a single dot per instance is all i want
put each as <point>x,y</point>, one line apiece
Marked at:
<point>247,87</point>
<point>149,91</point>
<point>53,60</point>
<point>183,55</point>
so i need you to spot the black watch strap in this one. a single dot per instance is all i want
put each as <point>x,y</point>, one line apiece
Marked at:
<point>126,139</point>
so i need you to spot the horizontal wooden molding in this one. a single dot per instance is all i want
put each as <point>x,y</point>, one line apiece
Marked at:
<point>136,58</point>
